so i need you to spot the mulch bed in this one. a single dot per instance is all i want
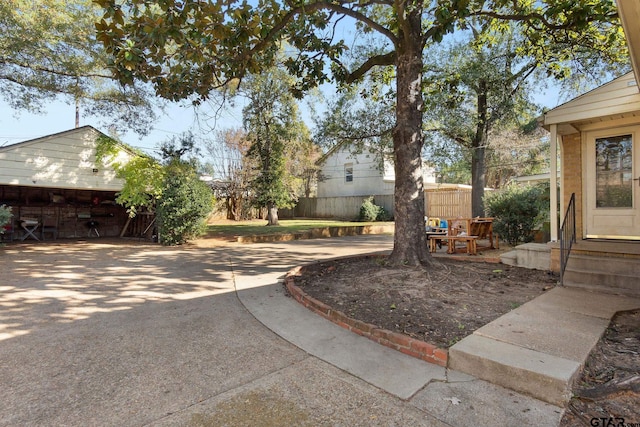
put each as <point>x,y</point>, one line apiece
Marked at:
<point>439,305</point>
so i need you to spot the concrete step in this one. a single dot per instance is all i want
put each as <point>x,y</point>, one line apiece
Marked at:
<point>615,275</point>
<point>528,255</point>
<point>543,376</point>
<point>509,258</point>
<point>601,264</point>
<point>539,348</point>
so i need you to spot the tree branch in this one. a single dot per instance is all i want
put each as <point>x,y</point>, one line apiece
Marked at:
<point>522,75</point>
<point>373,2</point>
<point>313,7</point>
<point>451,135</point>
<point>363,18</point>
<point>382,60</point>
<point>351,137</point>
<point>533,16</point>
<point>35,67</point>
<point>611,388</point>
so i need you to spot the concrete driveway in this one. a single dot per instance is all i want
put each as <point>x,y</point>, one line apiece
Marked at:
<point>125,333</point>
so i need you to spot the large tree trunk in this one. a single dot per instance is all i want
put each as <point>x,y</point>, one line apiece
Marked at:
<point>272,214</point>
<point>229,205</point>
<point>478,180</point>
<point>410,245</point>
<point>234,208</point>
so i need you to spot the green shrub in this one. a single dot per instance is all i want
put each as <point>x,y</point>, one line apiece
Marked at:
<point>369,211</point>
<point>5,216</point>
<point>184,206</point>
<point>383,215</point>
<point>517,211</point>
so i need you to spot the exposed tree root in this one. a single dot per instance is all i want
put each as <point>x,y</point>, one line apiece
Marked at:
<point>610,389</point>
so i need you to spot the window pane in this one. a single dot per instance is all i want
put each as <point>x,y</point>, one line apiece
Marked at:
<point>614,180</point>
<point>348,173</point>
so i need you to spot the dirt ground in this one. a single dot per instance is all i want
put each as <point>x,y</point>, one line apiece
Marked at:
<point>439,305</point>
<point>443,304</point>
<point>609,386</point>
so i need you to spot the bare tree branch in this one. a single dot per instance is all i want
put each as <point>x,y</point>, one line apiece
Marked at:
<point>382,60</point>
<point>53,71</point>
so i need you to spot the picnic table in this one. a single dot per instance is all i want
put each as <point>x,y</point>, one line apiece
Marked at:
<point>436,232</point>
<point>465,230</point>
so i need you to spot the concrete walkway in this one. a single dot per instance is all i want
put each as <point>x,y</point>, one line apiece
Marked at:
<point>541,346</point>
<point>451,397</point>
<point>101,333</point>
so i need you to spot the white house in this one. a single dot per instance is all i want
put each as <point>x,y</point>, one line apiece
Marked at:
<point>62,160</point>
<point>343,173</point>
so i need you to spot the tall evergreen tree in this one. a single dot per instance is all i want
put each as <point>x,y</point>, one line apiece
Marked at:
<point>49,51</point>
<point>274,128</point>
<point>483,84</point>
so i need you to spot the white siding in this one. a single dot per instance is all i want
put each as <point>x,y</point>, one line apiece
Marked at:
<point>620,96</point>
<point>65,160</point>
<point>428,174</point>
<point>367,178</point>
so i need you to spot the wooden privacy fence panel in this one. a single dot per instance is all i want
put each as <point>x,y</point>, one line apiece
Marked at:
<point>438,204</point>
<point>334,207</point>
<point>448,203</point>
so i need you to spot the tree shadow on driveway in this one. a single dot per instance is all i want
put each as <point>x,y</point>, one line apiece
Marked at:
<point>120,332</point>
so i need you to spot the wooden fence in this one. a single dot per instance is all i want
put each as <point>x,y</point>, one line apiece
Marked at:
<point>334,207</point>
<point>441,203</point>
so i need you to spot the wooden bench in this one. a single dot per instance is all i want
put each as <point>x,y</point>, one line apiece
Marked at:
<point>483,228</point>
<point>437,232</point>
<point>451,243</point>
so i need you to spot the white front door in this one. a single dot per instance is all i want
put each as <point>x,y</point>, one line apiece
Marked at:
<point>612,184</point>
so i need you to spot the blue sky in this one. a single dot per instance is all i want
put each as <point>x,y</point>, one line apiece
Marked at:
<point>18,126</point>
<point>22,126</point>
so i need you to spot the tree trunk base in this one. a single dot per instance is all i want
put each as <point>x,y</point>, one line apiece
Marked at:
<point>272,215</point>
<point>413,258</point>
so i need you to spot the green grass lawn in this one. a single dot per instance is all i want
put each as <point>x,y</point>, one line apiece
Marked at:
<point>287,226</point>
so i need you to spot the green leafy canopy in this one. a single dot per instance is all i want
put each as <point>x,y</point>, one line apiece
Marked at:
<point>276,132</point>
<point>142,174</point>
<point>189,49</point>
<point>49,51</point>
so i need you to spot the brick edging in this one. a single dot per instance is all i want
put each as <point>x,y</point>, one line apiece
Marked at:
<point>318,233</point>
<point>407,345</point>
